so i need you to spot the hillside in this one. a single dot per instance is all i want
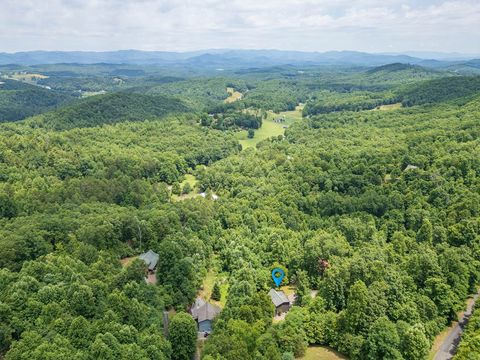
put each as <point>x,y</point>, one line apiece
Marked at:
<point>439,90</point>
<point>19,100</point>
<point>110,109</point>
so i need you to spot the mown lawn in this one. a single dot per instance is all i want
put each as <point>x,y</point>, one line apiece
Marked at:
<point>322,353</point>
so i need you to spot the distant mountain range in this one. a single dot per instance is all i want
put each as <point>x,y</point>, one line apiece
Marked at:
<point>227,58</point>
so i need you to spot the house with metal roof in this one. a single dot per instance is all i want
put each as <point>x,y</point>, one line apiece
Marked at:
<point>204,313</point>
<point>150,258</point>
<point>280,301</point>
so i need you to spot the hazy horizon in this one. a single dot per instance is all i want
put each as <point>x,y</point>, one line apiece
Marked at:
<point>373,26</point>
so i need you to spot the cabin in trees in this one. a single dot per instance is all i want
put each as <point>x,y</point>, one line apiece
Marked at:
<point>204,313</point>
<point>151,259</point>
<point>280,300</point>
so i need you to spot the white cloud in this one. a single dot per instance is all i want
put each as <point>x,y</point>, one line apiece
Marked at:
<point>370,25</point>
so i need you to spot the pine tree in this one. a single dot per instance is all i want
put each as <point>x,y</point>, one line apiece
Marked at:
<point>216,295</point>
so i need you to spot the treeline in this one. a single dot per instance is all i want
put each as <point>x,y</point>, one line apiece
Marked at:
<point>470,344</point>
<point>232,120</point>
<point>327,102</point>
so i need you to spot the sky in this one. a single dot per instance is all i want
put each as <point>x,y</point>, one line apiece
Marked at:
<point>185,25</point>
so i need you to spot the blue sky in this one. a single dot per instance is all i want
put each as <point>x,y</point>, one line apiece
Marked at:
<point>181,25</point>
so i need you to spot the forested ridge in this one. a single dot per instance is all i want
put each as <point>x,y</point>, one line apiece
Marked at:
<point>19,100</point>
<point>374,215</point>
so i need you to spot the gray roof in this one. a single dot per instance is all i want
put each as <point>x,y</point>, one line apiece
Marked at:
<point>199,302</point>
<point>278,297</point>
<point>206,312</point>
<point>150,258</point>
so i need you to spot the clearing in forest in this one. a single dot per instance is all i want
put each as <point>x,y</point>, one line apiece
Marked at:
<point>234,95</point>
<point>273,125</point>
<point>208,282</point>
<point>27,77</point>
<point>389,107</point>
<point>127,261</point>
<point>322,352</point>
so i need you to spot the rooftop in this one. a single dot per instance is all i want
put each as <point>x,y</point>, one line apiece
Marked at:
<point>150,258</point>
<point>202,310</point>
<point>278,297</point>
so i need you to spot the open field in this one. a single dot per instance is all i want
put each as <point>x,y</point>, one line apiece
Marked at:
<point>270,128</point>
<point>27,77</point>
<point>389,107</point>
<point>234,95</point>
<point>322,353</point>
<point>92,93</point>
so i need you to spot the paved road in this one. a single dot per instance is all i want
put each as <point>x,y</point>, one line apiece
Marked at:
<point>449,346</point>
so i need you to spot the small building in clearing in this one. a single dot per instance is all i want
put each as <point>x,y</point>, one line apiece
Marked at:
<point>204,313</point>
<point>280,300</point>
<point>150,258</point>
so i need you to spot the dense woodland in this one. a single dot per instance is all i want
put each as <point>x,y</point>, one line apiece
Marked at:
<point>373,214</point>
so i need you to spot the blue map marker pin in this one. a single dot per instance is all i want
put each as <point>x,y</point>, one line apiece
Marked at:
<point>278,279</point>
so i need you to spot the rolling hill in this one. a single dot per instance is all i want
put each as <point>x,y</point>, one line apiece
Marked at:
<point>110,109</point>
<point>20,100</point>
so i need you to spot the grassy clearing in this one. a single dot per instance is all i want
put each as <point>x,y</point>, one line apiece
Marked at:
<point>127,261</point>
<point>208,282</point>
<point>234,95</point>
<point>270,128</point>
<point>92,93</point>
<point>388,107</point>
<point>288,290</point>
<point>322,353</point>
<point>190,179</point>
<point>28,77</point>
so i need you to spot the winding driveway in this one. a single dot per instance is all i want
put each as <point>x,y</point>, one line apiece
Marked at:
<point>449,346</point>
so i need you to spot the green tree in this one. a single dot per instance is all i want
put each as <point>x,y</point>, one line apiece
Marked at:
<point>383,341</point>
<point>176,189</point>
<point>187,188</point>
<point>183,336</point>
<point>425,233</point>
<point>251,133</point>
<point>216,295</point>
<point>414,344</point>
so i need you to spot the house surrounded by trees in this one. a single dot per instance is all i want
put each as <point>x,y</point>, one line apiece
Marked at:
<point>204,313</point>
<point>151,259</point>
<point>280,300</point>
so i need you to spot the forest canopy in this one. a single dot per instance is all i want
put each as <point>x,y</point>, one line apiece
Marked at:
<point>368,199</point>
